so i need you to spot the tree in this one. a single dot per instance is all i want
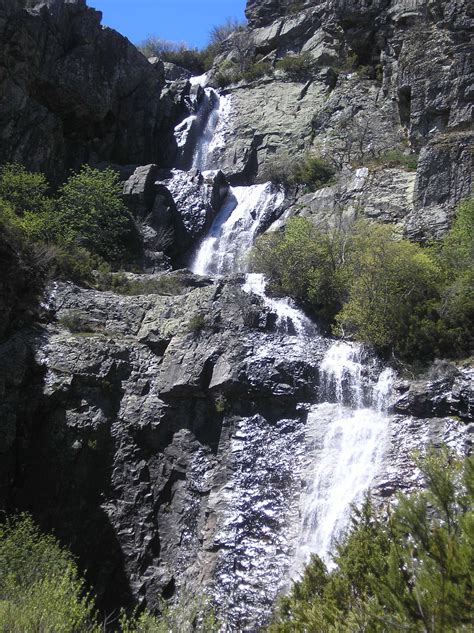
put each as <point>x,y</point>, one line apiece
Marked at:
<point>91,214</point>
<point>221,32</point>
<point>23,190</point>
<point>409,568</point>
<point>390,281</point>
<point>154,46</point>
<point>40,587</point>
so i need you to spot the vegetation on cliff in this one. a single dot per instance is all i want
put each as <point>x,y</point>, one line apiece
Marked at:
<point>40,586</point>
<point>196,60</point>
<point>41,589</point>
<point>364,281</point>
<point>84,225</point>
<point>406,568</point>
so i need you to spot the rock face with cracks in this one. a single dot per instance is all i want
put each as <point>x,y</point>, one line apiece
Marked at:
<point>369,88</point>
<point>74,92</point>
<point>162,434</point>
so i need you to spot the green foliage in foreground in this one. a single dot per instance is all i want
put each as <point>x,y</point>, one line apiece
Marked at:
<point>40,588</point>
<point>362,280</point>
<point>409,569</point>
<point>41,591</point>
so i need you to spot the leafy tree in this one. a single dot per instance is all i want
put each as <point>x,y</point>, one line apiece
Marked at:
<point>40,587</point>
<point>91,214</point>
<point>455,251</point>
<point>24,191</point>
<point>366,282</point>
<point>406,569</point>
<point>389,279</point>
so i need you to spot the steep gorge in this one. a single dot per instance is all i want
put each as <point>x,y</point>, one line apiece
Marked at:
<point>202,440</point>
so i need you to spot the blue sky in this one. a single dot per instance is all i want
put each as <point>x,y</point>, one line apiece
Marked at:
<point>181,20</point>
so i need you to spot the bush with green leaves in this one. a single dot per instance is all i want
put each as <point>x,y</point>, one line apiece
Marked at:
<point>190,614</point>
<point>364,281</point>
<point>389,282</point>
<point>304,263</point>
<point>85,224</point>
<point>297,67</point>
<point>40,586</point>
<point>310,170</point>
<point>408,567</point>
<point>91,214</point>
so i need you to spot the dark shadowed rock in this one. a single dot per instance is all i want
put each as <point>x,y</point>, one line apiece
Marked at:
<point>75,92</point>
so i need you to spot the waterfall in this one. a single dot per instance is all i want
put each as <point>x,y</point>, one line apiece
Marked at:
<point>346,444</point>
<point>245,211</point>
<point>290,319</point>
<point>291,490</point>
<point>203,131</point>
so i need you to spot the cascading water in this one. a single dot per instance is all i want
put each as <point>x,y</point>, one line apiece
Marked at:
<point>203,132</point>
<point>234,229</point>
<point>260,537</point>
<point>346,443</point>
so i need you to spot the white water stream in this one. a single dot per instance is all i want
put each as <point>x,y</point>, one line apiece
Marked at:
<point>234,229</point>
<point>347,431</point>
<point>346,444</point>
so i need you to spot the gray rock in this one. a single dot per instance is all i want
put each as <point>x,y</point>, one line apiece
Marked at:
<point>89,96</point>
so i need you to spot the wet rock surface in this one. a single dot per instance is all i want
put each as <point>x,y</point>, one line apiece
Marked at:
<point>130,429</point>
<point>164,435</point>
<point>392,97</point>
<point>165,439</point>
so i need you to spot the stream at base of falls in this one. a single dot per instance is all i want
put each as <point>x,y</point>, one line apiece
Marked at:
<point>290,482</point>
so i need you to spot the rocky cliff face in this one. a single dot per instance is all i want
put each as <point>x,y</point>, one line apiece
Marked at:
<point>167,436</point>
<point>73,92</point>
<point>372,87</point>
<point>164,438</point>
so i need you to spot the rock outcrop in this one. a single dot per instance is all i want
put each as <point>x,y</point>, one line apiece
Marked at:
<point>74,92</point>
<point>368,88</point>
<point>162,433</point>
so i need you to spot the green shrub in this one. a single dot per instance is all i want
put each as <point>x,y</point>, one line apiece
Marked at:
<point>389,279</point>
<point>304,263</point>
<point>310,170</point>
<point>40,587</point>
<point>297,67</point>
<point>191,614</point>
<point>257,70</point>
<point>25,191</point>
<point>74,232</point>
<point>365,282</point>
<point>91,214</point>
<point>407,569</point>
<point>121,284</point>
<point>227,74</point>
<point>197,323</point>
<point>76,322</point>
<point>395,158</point>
